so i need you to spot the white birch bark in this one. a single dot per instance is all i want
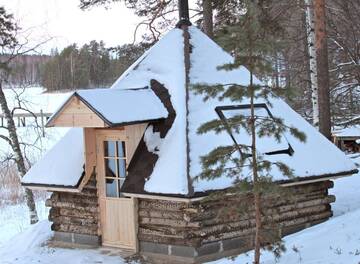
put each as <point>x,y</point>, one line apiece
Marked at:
<point>310,30</point>
<point>19,158</point>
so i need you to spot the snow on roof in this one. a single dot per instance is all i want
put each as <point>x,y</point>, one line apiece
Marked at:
<point>353,131</point>
<point>165,63</point>
<point>316,157</point>
<point>124,106</point>
<point>63,165</point>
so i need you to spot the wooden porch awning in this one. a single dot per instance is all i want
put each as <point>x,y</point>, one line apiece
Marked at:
<point>108,108</point>
<point>62,167</point>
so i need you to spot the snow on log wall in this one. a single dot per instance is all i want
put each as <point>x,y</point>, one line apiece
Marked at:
<point>75,212</point>
<point>198,223</point>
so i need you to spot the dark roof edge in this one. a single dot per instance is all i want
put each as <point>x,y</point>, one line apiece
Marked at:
<point>297,181</point>
<point>137,122</point>
<point>42,185</point>
<point>311,178</point>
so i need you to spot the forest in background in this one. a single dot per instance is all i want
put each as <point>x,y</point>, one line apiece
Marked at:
<point>92,65</point>
<point>95,65</point>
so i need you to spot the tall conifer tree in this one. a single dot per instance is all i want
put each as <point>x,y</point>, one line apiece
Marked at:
<point>250,43</point>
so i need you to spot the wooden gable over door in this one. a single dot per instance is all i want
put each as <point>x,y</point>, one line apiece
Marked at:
<point>75,113</point>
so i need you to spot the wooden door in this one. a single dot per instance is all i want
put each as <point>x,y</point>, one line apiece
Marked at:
<point>118,213</point>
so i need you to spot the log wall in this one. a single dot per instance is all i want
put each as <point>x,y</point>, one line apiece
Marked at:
<point>199,223</point>
<point>210,227</point>
<point>76,213</point>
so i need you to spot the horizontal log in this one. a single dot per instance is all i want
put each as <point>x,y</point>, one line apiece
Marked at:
<point>55,213</point>
<point>266,202</point>
<point>269,215</point>
<point>307,220</point>
<point>194,242</point>
<point>77,199</point>
<point>234,229</point>
<point>168,222</point>
<point>226,213</point>
<point>297,193</point>
<point>165,230</point>
<point>151,213</point>
<point>86,230</point>
<point>79,212</point>
<point>75,221</point>
<point>249,223</point>
<point>69,205</point>
<point>162,205</point>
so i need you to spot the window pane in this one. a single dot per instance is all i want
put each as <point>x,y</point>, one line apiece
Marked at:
<point>121,182</point>
<point>110,167</point>
<point>122,168</point>
<point>109,148</point>
<point>111,190</point>
<point>121,149</point>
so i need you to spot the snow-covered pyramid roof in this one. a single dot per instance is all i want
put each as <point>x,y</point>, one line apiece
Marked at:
<point>179,151</point>
<point>168,157</point>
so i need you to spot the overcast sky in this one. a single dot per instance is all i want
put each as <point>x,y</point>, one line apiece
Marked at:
<point>66,23</point>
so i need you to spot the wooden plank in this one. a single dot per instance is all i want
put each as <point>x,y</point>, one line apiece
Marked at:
<point>133,134</point>
<point>76,114</point>
<point>90,154</point>
<point>118,216</point>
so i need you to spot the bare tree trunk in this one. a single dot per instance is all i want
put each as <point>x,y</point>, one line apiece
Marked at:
<point>208,18</point>
<point>323,68</point>
<point>312,61</point>
<point>19,159</point>
<point>257,242</point>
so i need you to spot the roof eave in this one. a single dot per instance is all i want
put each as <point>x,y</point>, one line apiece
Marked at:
<point>201,195</point>
<point>56,187</point>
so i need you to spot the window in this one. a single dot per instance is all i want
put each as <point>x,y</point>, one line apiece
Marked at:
<point>115,167</point>
<point>266,144</point>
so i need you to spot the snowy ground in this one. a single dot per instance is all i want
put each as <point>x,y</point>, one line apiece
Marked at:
<point>27,247</point>
<point>336,241</point>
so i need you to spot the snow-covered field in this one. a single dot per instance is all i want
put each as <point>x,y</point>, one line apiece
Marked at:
<point>336,241</point>
<point>35,100</point>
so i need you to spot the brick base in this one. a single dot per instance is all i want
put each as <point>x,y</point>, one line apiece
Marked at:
<point>73,238</point>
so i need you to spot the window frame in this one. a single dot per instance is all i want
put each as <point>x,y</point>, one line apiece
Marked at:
<point>219,110</point>
<point>119,180</point>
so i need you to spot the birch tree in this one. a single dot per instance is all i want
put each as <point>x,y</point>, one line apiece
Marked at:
<point>310,30</point>
<point>9,45</point>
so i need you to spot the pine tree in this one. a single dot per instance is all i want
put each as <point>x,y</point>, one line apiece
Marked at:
<point>250,41</point>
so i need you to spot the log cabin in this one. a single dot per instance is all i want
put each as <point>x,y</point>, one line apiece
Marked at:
<point>347,139</point>
<point>124,174</point>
